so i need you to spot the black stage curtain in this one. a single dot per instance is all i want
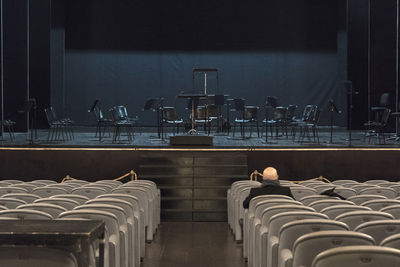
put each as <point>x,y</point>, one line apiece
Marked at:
<point>125,51</point>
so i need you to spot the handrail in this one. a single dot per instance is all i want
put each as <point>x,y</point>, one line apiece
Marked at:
<point>320,178</point>
<point>134,177</point>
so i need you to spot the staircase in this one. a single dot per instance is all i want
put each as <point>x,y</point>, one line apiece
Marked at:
<point>193,185</point>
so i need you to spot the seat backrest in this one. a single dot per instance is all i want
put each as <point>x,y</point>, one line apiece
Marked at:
<point>127,206</point>
<point>355,218</point>
<point>392,241</point>
<point>351,256</point>
<point>53,210</point>
<point>12,181</point>
<point>344,181</point>
<point>116,210</point>
<point>333,211</point>
<point>379,204</point>
<point>48,191</point>
<point>69,204</point>
<point>26,186</point>
<point>90,192</point>
<point>382,191</point>
<point>78,198</point>
<point>289,232</point>
<point>299,193</point>
<point>321,204</point>
<point>25,214</point>
<point>11,203</point>
<point>310,245</point>
<point>394,210</point>
<point>307,200</point>
<point>271,211</point>
<point>271,203</point>
<point>12,189</point>
<point>28,198</point>
<point>360,187</point>
<point>254,201</point>
<point>18,256</point>
<point>68,187</point>
<point>134,201</point>
<point>359,199</point>
<point>379,230</point>
<point>105,186</point>
<point>278,220</point>
<point>250,112</point>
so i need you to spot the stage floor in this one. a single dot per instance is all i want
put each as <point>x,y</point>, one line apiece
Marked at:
<point>147,138</point>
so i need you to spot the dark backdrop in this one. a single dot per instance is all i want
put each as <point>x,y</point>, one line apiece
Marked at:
<point>124,52</point>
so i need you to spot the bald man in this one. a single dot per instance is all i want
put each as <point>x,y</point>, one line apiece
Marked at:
<point>270,186</point>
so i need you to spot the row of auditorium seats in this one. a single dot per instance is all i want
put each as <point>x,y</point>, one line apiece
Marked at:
<point>131,211</point>
<point>280,231</point>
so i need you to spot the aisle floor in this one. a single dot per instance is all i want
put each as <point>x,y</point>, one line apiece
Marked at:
<point>194,244</point>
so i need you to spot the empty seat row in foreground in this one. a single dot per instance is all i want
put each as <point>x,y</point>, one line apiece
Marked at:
<point>130,211</point>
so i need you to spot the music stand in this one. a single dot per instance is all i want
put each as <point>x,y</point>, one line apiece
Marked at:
<point>156,105</point>
<point>30,108</point>
<point>332,109</point>
<point>351,92</point>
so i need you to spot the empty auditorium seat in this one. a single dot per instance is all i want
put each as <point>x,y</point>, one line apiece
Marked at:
<point>351,256</point>
<point>69,204</point>
<point>275,223</point>
<point>133,224</point>
<point>379,204</point>
<point>105,186</point>
<point>309,199</point>
<point>11,181</point>
<point>249,215</point>
<point>48,191</point>
<point>78,198</point>
<point>112,248</point>
<point>12,189</point>
<point>67,187</point>
<point>308,246</point>
<point>392,241</point>
<point>28,198</point>
<point>333,211</point>
<point>125,232</point>
<point>359,199</point>
<point>324,203</point>
<point>11,203</point>
<point>375,181</point>
<point>289,233</point>
<point>360,187</point>
<point>89,191</point>
<point>31,256</point>
<point>23,214</point>
<point>344,181</point>
<point>355,218</point>
<point>256,219</point>
<point>144,204</point>
<point>76,181</point>
<point>53,210</point>
<point>379,230</point>
<point>393,210</point>
<point>261,230</point>
<point>231,196</point>
<point>381,191</point>
<point>4,184</point>
<point>26,186</point>
<point>138,212</point>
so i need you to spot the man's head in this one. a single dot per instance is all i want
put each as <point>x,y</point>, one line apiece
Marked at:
<point>270,173</point>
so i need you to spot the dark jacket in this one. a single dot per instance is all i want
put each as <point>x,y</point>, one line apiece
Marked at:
<point>267,188</point>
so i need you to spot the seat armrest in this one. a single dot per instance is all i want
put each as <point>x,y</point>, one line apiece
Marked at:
<point>286,258</point>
